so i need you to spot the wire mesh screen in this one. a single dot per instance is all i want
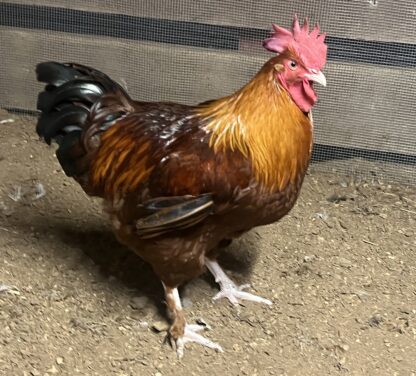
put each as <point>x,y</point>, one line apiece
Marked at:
<point>194,50</point>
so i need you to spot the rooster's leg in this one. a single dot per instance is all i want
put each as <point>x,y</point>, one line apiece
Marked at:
<point>180,332</point>
<point>228,289</point>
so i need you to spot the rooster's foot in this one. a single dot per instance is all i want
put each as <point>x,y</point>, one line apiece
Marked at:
<point>181,333</point>
<point>229,289</point>
<point>191,335</point>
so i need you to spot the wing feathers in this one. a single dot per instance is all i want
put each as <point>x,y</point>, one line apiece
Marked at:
<point>173,213</point>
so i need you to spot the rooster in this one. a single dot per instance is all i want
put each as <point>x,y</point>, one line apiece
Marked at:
<point>180,182</point>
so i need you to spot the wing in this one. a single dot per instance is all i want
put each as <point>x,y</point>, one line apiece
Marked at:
<point>132,147</point>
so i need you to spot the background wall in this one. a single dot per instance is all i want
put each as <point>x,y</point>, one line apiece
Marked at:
<point>193,50</point>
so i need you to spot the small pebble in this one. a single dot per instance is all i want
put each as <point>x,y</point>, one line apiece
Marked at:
<point>160,326</point>
<point>376,320</point>
<point>342,361</point>
<point>52,370</point>
<point>59,360</point>
<point>309,258</point>
<point>236,347</point>
<point>344,347</point>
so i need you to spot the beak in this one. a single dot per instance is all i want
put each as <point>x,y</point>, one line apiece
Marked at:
<point>317,77</point>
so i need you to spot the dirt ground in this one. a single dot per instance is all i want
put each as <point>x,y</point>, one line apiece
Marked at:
<point>340,269</point>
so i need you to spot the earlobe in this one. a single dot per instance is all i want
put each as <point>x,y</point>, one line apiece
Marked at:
<point>278,67</point>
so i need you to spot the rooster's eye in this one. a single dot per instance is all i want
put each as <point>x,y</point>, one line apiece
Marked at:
<point>293,64</point>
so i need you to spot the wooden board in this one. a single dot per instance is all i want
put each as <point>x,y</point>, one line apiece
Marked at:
<point>360,108</point>
<point>385,20</point>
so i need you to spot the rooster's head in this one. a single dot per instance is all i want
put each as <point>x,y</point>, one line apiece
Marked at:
<point>302,55</point>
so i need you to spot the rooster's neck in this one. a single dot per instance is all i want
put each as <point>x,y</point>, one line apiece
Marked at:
<point>265,125</point>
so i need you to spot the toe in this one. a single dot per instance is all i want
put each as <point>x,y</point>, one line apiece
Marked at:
<point>253,298</point>
<point>190,335</point>
<point>228,294</point>
<point>235,295</point>
<point>180,347</point>
<point>197,328</point>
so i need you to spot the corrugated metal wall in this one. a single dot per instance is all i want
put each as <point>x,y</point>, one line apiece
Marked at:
<point>193,50</point>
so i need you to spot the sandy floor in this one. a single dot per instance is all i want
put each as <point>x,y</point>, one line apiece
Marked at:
<point>340,269</point>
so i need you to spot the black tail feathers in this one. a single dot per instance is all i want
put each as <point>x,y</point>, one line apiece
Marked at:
<point>71,95</point>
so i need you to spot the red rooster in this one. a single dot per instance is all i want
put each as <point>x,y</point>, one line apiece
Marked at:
<point>181,181</point>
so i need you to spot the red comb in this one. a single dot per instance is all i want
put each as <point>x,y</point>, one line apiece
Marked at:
<point>310,47</point>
